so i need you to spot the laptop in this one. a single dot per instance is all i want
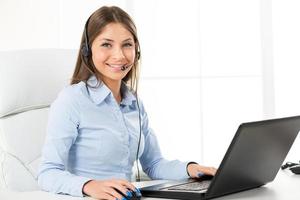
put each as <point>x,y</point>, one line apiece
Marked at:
<point>253,159</point>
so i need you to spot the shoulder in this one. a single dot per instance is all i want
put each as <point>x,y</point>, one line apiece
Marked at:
<point>70,96</point>
<point>72,92</point>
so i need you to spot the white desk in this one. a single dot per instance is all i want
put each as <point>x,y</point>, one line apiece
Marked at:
<point>285,186</point>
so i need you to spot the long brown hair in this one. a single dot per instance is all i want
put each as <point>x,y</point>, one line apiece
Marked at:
<point>97,21</point>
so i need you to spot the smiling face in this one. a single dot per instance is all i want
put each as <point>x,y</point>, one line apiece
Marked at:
<point>112,50</point>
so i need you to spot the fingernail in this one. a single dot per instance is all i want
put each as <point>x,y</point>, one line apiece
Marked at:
<point>200,174</point>
<point>128,194</point>
<point>138,192</point>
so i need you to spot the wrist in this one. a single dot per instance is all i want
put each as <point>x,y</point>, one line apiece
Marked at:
<point>85,188</point>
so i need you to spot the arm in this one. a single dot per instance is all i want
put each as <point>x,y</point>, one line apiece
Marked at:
<point>152,160</point>
<point>64,119</point>
<point>61,134</point>
<point>159,168</point>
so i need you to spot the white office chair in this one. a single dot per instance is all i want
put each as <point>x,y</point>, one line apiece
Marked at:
<point>29,82</point>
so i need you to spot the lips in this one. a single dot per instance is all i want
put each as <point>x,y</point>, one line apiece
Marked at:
<point>116,66</point>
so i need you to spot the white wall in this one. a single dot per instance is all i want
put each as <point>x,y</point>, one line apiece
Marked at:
<point>286,31</point>
<point>207,65</point>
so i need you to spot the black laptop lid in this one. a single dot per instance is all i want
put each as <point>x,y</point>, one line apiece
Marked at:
<point>254,155</point>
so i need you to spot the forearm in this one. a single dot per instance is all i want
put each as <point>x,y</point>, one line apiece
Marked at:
<point>165,169</point>
<point>61,182</point>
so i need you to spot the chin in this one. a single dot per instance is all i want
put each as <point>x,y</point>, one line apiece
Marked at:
<point>116,78</point>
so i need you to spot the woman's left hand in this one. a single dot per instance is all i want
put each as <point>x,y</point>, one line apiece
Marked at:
<point>196,170</point>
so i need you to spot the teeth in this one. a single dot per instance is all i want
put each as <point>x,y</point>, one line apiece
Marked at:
<point>116,66</point>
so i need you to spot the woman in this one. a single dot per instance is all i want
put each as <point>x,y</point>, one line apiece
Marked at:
<point>97,126</point>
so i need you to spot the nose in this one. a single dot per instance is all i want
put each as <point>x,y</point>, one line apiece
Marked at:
<point>118,53</point>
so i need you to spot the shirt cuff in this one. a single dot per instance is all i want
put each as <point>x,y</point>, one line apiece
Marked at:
<point>78,186</point>
<point>181,171</point>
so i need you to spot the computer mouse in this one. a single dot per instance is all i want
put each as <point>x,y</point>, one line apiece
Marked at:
<point>133,195</point>
<point>295,169</point>
<point>136,195</point>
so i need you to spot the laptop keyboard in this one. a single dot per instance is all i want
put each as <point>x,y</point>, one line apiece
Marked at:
<point>191,186</point>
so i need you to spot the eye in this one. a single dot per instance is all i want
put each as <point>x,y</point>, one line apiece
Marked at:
<point>106,44</point>
<point>128,44</point>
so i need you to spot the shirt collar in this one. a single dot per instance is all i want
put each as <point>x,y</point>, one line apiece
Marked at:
<point>127,95</point>
<point>98,91</point>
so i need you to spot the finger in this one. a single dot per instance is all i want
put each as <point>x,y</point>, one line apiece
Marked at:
<point>207,170</point>
<point>204,170</point>
<point>212,170</point>
<point>127,184</point>
<point>196,173</point>
<point>106,196</point>
<point>120,188</point>
<point>112,192</point>
<point>131,187</point>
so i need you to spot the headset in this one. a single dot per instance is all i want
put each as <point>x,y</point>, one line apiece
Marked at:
<point>86,52</point>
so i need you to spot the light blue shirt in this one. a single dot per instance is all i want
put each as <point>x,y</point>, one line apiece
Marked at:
<point>91,136</point>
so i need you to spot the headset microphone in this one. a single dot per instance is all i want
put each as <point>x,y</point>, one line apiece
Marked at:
<point>123,68</point>
<point>138,55</point>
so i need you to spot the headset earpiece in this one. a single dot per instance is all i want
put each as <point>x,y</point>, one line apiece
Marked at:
<point>85,50</point>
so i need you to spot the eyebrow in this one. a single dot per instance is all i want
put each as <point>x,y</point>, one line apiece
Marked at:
<point>110,40</point>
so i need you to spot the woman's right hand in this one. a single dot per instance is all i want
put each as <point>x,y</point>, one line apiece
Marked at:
<point>107,189</point>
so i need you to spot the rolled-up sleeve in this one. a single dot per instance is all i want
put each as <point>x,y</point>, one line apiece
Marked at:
<point>153,164</point>
<point>61,134</point>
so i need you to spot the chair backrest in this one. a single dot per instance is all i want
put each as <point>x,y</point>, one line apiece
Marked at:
<point>30,80</point>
